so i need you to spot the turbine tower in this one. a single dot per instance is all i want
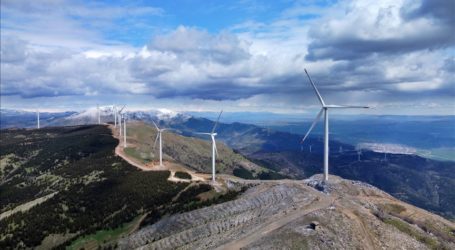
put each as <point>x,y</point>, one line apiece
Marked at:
<point>214,150</point>
<point>385,153</point>
<point>158,135</point>
<point>114,110</point>
<point>99,115</point>
<point>119,116</point>
<point>124,130</point>
<point>325,109</point>
<point>37,119</point>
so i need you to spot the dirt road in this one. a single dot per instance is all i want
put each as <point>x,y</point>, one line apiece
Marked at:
<point>170,166</point>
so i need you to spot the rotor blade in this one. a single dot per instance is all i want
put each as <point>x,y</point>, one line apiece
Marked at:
<point>156,139</point>
<point>214,145</point>
<point>155,126</point>
<point>216,123</point>
<point>315,89</point>
<point>312,125</point>
<point>122,109</point>
<point>203,133</point>
<point>347,107</point>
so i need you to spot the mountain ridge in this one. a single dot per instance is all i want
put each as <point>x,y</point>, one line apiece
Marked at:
<point>291,214</point>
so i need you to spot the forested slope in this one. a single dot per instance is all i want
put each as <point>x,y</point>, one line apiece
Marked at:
<point>93,189</point>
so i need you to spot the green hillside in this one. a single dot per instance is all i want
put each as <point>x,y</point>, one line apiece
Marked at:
<point>194,153</point>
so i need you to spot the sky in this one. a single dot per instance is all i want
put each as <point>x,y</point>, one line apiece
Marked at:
<point>396,56</point>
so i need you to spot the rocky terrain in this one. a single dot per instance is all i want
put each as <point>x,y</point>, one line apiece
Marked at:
<point>288,214</point>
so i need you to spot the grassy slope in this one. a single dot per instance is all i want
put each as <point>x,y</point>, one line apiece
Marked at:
<point>103,236</point>
<point>194,153</point>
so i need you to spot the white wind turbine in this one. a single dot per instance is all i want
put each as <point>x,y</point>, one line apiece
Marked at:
<point>114,111</point>
<point>37,119</point>
<point>158,135</point>
<point>214,150</point>
<point>124,130</point>
<point>359,153</point>
<point>99,115</point>
<point>325,109</point>
<point>119,116</point>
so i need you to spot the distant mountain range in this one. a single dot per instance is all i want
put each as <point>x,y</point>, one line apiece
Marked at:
<point>10,118</point>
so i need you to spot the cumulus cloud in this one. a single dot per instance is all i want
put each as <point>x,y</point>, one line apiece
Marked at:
<point>369,52</point>
<point>197,45</point>
<point>442,10</point>
<point>380,27</point>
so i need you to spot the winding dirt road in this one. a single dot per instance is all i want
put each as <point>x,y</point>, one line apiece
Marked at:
<point>170,166</point>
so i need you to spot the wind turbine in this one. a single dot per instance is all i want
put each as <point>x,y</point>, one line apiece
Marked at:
<point>124,130</point>
<point>214,150</point>
<point>385,153</point>
<point>158,135</point>
<point>37,119</point>
<point>119,115</point>
<point>325,109</point>
<point>99,116</point>
<point>114,110</point>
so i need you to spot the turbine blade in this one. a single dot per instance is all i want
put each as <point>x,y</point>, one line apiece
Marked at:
<point>312,125</point>
<point>156,139</point>
<point>122,109</point>
<point>315,89</point>
<point>217,120</point>
<point>347,107</point>
<point>214,145</point>
<point>155,126</point>
<point>203,133</point>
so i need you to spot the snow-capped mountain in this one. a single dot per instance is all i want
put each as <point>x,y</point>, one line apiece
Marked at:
<point>11,118</point>
<point>27,119</point>
<point>165,116</point>
<point>93,113</point>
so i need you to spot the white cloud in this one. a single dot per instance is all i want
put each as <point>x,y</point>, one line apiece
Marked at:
<point>357,52</point>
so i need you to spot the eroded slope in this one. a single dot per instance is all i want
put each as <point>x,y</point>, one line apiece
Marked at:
<point>295,215</point>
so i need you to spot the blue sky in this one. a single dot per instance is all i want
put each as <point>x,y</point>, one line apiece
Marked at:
<point>397,56</point>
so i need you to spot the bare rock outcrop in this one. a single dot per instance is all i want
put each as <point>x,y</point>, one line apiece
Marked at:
<point>291,214</point>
